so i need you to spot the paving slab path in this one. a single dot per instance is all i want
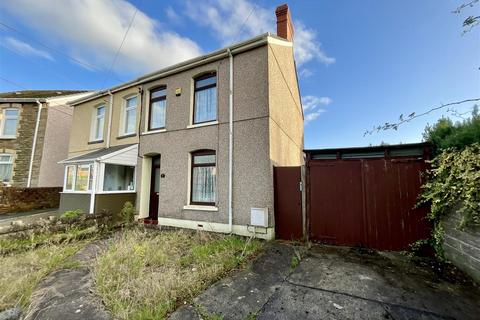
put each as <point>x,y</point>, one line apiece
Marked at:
<point>335,283</point>
<point>68,293</point>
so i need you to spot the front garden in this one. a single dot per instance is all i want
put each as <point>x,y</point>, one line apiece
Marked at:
<point>142,273</point>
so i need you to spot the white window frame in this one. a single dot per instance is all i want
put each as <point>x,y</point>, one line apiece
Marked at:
<point>95,118</point>
<point>74,181</point>
<point>123,118</point>
<point>10,162</point>
<point>3,120</point>
<point>102,179</point>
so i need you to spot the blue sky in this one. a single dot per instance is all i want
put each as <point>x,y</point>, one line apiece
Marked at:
<point>361,63</point>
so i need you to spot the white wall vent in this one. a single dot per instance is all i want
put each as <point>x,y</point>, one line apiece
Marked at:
<point>259,217</point>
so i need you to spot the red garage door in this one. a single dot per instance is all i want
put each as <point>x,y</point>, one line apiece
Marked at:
<point>367,198</point>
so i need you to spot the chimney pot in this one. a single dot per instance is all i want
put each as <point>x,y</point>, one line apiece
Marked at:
<point>284,22</point>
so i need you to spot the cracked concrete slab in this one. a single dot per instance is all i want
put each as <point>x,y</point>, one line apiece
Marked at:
<point>68,293</point>
<point>335,283</point>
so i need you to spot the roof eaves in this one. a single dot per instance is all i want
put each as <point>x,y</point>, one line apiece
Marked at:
<point>212,56</point>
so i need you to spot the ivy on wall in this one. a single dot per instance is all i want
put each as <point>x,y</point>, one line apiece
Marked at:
<point>453,184</point>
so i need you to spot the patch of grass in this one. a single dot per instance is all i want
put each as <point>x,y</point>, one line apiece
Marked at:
<point>70,214</point>
<point>10,245</point>
<point>21,272</point>
<point>146,274</point>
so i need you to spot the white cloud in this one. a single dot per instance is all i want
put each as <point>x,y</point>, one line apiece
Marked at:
<point>309,117</point>
<point>313,107</point>
<point>25,49</point>
<point>313,102</point>
<point>227,19</point>
<point>307,46</point>
<point>172,15</point>
<point>93,30</point>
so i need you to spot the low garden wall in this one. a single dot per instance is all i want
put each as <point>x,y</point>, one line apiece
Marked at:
<point>14,199</point>
<point>462,246</point>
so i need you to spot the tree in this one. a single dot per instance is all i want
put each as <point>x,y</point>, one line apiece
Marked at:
<point>446,134</point>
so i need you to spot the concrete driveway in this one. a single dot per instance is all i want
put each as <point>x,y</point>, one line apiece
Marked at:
<point>336,283</point>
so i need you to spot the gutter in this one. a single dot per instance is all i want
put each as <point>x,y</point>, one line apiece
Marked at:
<point>34,144</point>
<point>230,144</point>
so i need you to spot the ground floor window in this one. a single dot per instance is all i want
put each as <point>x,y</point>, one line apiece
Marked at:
<point>119,178</point>
<point>203,183</point>
<point>6,166</point>
<point>79,177</point>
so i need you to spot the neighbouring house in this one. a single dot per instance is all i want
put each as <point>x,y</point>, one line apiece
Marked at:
<point>194,144</point>
<point>34,131</point>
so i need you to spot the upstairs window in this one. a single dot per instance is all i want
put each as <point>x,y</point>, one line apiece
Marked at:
<point>98,123</point>
<point>205,98</point>
<point>6,165</point>
<point>204,173</point>
<point>129,116</point>
<point>158,106</point>
<point>9,121</point>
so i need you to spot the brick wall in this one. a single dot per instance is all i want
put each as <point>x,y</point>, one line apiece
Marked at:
<point>21,146</point>
<point>13,199</point>
<point>462,247</point>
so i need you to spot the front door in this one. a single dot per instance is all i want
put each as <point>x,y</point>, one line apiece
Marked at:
<point>154,188</point>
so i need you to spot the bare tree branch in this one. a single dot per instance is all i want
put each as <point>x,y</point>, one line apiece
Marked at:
<point>402,119</point>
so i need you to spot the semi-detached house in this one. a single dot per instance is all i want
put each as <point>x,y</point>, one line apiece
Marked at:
<point>193,145</point>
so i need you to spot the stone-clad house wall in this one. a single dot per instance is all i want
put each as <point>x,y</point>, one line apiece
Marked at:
<point>21,146</point>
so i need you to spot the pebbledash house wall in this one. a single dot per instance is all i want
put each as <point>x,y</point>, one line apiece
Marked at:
<point>21,145</point>
<point>251,164</point>
<point>268,131</point>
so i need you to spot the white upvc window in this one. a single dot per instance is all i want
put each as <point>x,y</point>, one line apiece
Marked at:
<point>78,178</point>
<point>6,166</point>
<point>98,123</point>
<point>9,122</point>
<point>129,116</point>
<point>118,178</point>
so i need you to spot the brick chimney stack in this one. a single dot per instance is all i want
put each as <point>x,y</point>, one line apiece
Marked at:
<point>284,22</point>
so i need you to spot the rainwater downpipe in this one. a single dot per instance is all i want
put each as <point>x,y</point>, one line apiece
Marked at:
<point>110,112</point>
<point>34,144</point>
<point>230,144</point>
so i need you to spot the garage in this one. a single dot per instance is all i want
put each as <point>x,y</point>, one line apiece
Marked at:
<point>363,197</point>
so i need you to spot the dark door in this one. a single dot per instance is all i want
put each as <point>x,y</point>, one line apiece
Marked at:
<point>154,188</point>
<point>288,203</point>
<point>336,202</point>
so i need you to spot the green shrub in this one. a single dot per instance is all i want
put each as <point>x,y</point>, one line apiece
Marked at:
<point>453,185</point>
<point>446,134</point>
<point>70,214</point>
<point>127,213</point>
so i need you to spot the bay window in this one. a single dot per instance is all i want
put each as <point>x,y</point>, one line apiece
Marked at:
<point>78,177</point>
<point>205,98</point>
<point>157,111</point>
<point>129,116</point>
<point>119,178</point>
<point>9,121</point>
<point>203,178</point>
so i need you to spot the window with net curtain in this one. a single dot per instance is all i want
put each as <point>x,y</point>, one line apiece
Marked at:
<point>205,98</point>
<point>204,176</point>
<point>6,165</point>
<point>158,105</point>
